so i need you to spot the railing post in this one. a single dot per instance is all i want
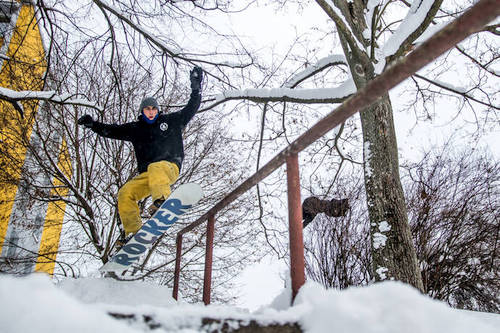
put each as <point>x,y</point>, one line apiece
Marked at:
<point>207,281</point>
<point>177,272</point>
<point>297,263</point>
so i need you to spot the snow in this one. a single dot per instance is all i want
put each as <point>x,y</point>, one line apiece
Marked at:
<point>10,94</point>
<point>108,291</point>
<point>261,282</point>
<point>381,272</point>
<point>303,95</point>
<point>416,15</point>
<point>451,87</point>
<point>35,303</point>
<point>379,240</point>
<point>431,30</point>
<point>367,153</point>
<point>334,59</point>
<point>384,226</point>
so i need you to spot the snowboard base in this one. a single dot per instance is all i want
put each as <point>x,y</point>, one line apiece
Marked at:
<point>177,204</point>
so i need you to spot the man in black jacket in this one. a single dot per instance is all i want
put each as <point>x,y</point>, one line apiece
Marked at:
<point>159,150</point>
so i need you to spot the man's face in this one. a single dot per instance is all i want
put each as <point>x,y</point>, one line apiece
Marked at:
<point>150,112</point>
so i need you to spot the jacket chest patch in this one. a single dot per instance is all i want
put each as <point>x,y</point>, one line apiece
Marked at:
<point>164,126</point>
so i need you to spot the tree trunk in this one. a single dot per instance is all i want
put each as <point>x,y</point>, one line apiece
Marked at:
<point>393,251</point>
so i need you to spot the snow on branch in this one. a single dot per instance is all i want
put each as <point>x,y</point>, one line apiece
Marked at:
<point>413,25</point>
<point>50,96</point>
<point>332,60</point>
<point>306,96</point>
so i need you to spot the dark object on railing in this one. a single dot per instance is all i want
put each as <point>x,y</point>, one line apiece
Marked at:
<point>312,206</point>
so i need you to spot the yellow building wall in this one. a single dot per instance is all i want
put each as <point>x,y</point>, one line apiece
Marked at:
<point>51,234</point>
<point>23,71</point>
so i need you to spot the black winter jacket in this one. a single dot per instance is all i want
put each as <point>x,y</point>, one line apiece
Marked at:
<point>160,141</point>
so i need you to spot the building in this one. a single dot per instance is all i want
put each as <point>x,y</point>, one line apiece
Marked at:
<point>29,228</point>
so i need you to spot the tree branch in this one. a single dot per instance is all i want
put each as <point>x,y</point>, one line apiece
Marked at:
<point>49,96</point>
<point>456,91</point>
<point>494,29</point>
<point>474,60</point>
<point>414,12</point>
<point>322,64</point>
<point>304,96</point>
<point>159,44</point>
<point>326,5</point>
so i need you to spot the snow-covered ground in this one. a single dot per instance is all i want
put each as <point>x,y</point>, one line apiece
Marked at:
<point>35,304</point>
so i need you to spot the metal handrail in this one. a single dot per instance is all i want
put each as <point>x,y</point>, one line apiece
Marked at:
<point>470,22</point>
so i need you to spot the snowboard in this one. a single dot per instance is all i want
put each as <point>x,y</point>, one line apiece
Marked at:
<point>178,203</point>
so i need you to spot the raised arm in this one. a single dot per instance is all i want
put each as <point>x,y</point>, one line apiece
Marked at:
<point>187,113</point>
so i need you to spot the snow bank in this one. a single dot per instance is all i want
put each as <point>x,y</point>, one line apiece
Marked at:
<point>383,307</point>
<point>34,304</point>
<point>109,291</point>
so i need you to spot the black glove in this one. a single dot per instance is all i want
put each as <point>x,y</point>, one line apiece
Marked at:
<point>196,77</point>
<point>86,121</point>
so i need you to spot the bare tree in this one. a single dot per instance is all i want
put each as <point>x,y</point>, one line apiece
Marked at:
<point>454,208</point>
<point>337,248</point>
<point>453,205</point>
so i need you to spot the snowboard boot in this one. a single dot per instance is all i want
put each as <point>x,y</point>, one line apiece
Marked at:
<point>154,207</point>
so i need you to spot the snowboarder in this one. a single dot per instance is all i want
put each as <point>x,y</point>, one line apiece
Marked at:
<point>159,150</point>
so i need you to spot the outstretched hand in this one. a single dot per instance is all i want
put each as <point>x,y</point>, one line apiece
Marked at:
<point>196,77</point>
<point>86,121</point>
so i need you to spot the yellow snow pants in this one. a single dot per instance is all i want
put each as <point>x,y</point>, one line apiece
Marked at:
<point>155,181</point>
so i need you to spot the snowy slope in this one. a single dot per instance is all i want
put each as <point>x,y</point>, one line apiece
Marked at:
<point>35,304</point>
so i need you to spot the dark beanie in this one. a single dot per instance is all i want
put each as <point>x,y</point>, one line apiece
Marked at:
<point>148,101</point>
